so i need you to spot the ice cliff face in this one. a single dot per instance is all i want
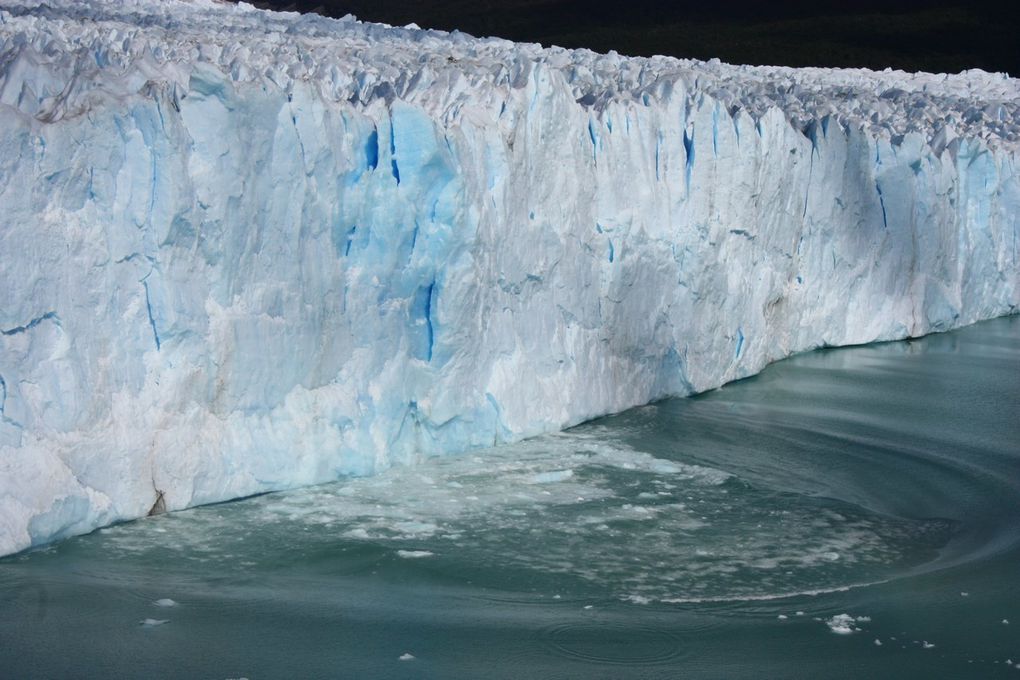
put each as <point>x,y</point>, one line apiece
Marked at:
<point>242,251</point>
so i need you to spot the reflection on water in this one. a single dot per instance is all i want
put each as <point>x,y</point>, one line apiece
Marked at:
<point>664,539</point>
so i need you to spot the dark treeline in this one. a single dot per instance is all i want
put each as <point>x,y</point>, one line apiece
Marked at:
<point>940,36</point>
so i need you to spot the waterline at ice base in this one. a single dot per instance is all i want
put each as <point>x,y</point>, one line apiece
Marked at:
<point>244,251</point>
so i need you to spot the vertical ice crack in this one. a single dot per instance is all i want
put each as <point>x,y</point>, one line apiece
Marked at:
<point>658,145</point>
<point>350,239</point>
<point>393,152</point>
<point>148,309</point>
<point>881,202</point>
<point>689,149</point>
<point>428,318</point>
<point>297,132</point>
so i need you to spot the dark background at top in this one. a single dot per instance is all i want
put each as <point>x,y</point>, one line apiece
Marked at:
<point>946,36</point>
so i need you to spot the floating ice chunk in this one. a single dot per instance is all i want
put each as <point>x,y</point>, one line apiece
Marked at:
<point>800,613</point>
<point>416,528</point>
<point>964,594</point>
<point>782,617</point>
<point>842,624</point>
<point>1005,622</point>
<point>878,643</point>
<point>551,477</point>
<point>165,602</point>
<point>148,623</point>
<point>927,645</point>
<point>414,554</point>
<point>407,656</point>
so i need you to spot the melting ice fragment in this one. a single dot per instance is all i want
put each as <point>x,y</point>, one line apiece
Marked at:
<point>551,477</point>
<point>414,554</point>
<point>842,624</point>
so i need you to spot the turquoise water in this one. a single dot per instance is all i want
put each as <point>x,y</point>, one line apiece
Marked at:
<point>847,513</point>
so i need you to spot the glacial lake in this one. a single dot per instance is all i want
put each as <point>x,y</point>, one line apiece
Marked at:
<point>847,513</point>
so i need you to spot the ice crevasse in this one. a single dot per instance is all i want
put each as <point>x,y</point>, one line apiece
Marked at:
<point>243,251</point>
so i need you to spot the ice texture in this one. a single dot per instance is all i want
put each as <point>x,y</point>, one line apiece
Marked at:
<point>243,251</point>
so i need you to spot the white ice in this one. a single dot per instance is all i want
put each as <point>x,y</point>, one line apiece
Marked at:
<point>842,624</point>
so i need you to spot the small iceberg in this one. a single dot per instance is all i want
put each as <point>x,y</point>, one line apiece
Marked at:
<point>414,554</point>
<point>150,623</point>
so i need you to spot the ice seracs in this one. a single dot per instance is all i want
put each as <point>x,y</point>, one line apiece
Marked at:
<point>244,251</point>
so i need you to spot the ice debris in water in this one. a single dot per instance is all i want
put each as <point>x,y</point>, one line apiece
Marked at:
<point>407,656</point>
<point>552,476</point>
<point>148,623</point>
<point>927,645</point>
<point>1005,622</point>
<point>165,602</point>
<point>414,554</point>
<point>878,643</point>
<point>782,617</point>
<point>842,624</point>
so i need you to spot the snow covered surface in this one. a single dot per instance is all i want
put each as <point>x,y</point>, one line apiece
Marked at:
<point>243,251</point>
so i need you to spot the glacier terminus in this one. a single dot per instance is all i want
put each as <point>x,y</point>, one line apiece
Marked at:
<point>243,251</point>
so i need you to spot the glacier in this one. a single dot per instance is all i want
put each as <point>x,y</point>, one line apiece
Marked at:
<point>242,251</point>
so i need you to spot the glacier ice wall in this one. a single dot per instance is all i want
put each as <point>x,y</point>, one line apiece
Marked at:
<point>242,251</point>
